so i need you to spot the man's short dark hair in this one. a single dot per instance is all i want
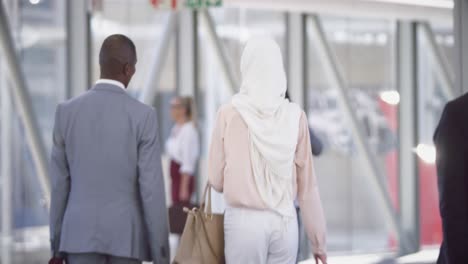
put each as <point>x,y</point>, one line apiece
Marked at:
<point>117,48</point>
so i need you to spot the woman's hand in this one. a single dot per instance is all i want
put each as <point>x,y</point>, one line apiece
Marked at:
<point>321,257</point>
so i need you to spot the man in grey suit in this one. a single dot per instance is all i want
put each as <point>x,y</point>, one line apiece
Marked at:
<point>108,202</point>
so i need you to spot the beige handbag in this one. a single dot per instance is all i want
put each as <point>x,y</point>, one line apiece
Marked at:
<point>202,241</point>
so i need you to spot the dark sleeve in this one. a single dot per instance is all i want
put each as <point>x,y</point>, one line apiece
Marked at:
<point>317,145</point>
<point>451,170</point>
<point>152,191</point>
<point>60,183</point>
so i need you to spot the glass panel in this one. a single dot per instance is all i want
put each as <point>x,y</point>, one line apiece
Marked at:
<point>39,31</point>
<point>431,103</point>
<point>364,51</point>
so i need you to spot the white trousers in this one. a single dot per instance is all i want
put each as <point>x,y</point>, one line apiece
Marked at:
<point>259,237</point>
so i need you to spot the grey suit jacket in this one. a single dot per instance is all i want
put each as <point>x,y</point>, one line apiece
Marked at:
<point>107,183</point>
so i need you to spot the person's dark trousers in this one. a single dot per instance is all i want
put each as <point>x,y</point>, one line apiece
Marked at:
<point>94,258</point>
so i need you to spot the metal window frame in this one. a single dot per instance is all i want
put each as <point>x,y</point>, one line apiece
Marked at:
<point>335,75</point>
<point>441,67</point>
<point>226,66</point>
<point>23,103</point>
<point>148,94</point>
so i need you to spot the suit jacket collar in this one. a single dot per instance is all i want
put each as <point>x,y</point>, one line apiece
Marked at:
<point>108,88</point>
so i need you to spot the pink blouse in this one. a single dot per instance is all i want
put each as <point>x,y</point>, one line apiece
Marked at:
<point>230,172</point>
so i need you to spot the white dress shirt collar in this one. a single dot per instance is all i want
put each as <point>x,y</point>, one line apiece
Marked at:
<point>113,82</point>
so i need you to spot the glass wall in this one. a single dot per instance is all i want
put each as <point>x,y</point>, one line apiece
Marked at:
<point>364,52</point>
<point>39,32</point>
<point>433,96</point>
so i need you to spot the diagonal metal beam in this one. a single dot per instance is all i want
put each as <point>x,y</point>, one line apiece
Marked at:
<point>441,66</point>
<point>226,65</point>
<point>23,103</point>
<point>337,81</point>
<point>148,94</point>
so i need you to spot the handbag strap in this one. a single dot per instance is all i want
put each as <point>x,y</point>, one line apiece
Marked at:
<point>206,208</point>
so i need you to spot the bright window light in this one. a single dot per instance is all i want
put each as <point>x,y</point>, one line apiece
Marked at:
<point>426,153</point>
<point>34,2</point>
<point>427,3</point>
<point>390,97</point>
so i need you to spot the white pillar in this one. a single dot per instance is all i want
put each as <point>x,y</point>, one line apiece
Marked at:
<point>296,58</point>
<point>186,50</point>
<point>407,73</point>
<point>5,166</point>
<point>78,47</point>
<point>6,183</point>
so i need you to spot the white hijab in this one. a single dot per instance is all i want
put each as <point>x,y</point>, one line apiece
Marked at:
<point>273,123</point>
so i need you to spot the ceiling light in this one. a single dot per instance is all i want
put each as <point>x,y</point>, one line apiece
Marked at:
<point>390,97</point>
<point>34,2</point>
<point>426,153</point>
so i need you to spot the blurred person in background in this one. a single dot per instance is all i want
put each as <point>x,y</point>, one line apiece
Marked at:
<point>183,148</point>
<point>261,159</point>
<point>316,143</point>
<point>108,201</point>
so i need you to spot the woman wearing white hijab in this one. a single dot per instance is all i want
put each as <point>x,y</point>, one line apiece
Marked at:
<point>260,157</point>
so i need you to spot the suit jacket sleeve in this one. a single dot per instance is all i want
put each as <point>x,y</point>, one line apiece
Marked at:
<point>152,191</point>
<point>60,181</point>
<point>452,171</point>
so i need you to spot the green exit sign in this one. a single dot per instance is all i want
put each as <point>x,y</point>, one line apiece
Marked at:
<point>180,4</point>
<point>202,3</point>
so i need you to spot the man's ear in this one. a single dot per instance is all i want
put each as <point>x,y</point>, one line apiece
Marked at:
<point>126,69</point>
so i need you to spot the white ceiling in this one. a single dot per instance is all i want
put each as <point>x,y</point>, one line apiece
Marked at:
<point>431,10</point>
